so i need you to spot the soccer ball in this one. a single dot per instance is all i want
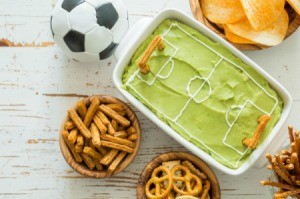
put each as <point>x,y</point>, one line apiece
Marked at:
<point>89,30</point>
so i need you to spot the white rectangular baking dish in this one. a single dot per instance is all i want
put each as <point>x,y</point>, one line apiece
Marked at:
<point>141,31</point>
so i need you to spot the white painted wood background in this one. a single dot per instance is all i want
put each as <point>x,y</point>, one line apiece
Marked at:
<point>38,85</point>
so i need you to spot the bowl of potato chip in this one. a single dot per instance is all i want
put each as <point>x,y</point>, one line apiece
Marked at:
<point>178,175</point>
<point>249,24</point>
<point>100,136</point>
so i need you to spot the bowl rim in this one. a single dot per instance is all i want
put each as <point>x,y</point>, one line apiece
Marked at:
<point>81,168</point>
<point>144,32</point>
<point>178,155</point>
<point>196,10</point>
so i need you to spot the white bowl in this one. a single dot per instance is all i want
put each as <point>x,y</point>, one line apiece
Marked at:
<point>145,28</point>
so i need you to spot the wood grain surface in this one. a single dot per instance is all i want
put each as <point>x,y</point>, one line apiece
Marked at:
<point>39,84</point>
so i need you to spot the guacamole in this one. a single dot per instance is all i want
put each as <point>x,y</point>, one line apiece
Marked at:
<point>203,92</point>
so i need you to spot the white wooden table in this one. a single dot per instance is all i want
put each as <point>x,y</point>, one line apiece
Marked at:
<point>38,85</point>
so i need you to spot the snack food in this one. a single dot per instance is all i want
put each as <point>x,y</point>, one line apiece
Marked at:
<point>203,92</point>
<point>286,169</point>
<point>262,23</point>
<point>86,134</point>
<point>173,179</point>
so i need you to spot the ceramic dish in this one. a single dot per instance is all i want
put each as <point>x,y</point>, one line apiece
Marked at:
<point>141,31</point>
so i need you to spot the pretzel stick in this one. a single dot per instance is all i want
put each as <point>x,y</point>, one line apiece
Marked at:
<point>79,124</point>
<point>76,155</point>
<point>291,132</point>
<point>277,184</point>
<point>91,112</point>
<point>262,123</point>
<point>287,193</point>
<point>295,162</point>
<point>280,173</point>
<point>116,162</point>
<point>81,108</point>
<point>156,42</point>
<point>114,115</point>
<point>117,140</point>
<point>281,165</point>
<point>117,146</point>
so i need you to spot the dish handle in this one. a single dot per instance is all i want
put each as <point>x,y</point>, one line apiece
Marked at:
<point>135,31</point>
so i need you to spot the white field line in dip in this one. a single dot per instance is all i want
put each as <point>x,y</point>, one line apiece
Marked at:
<point>192,96</point>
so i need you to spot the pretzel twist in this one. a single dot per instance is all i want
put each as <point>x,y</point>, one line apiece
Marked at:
<point>159,193</point>
<point>187,179</point>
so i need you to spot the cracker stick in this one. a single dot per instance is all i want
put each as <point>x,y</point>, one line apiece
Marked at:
<point>76,155</point>
<point>114,124</point>
<point>108,158</point>
<point>131,130</point>
<point>116,107</point>
<point>79,143</point>
<point>156,42</point>
<point>295,162</point>
<point>99,166</point>
<point>78,148</point>
<point>91,111</point>
<point>79,124</point>
<point>95,136</point>
<point>92,153</point>
<point>99,124</point>
<point>117,146</point>
<point>277,184</point>
<point>102,117</point>
<point>132,137</point>
<point>114,115</point>
<point>116,162</point>
<point>262,123</point>
<point>111,129</point>
<point>102,150</point>
<point>291,134</point>
<point>117,140</point>
<point>73,136</point>
<point>81,108</point>
<point>287,193</point>
<point>88,161</point>
<point>121,134</point>
<point>69,125</point>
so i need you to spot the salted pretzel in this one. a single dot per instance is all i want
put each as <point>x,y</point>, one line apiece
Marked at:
<point>162,190</point>
<point>187,178</point>
<point>157,180</point>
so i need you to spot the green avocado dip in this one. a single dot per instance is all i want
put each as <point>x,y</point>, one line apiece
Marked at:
<point>203,92</point>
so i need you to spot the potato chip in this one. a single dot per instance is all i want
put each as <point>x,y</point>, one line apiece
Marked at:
<point>295,5</point>
<point>270,36</point>
<point>222,11</point>
<point>262,13</point>
<point>235,38</point>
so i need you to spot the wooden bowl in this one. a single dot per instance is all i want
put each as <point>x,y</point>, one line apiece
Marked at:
<point>294,22</point>
<point>81,167</point>
<point>215,192</point>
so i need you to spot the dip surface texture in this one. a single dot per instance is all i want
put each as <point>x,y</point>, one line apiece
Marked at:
<point>202,91</point>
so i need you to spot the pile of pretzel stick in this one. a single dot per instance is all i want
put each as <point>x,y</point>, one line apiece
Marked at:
<point>286,168</point>
<point>175,179</point>
<point>99,134</point>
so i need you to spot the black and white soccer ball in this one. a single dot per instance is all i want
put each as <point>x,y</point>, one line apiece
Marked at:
<point>89,30</point>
